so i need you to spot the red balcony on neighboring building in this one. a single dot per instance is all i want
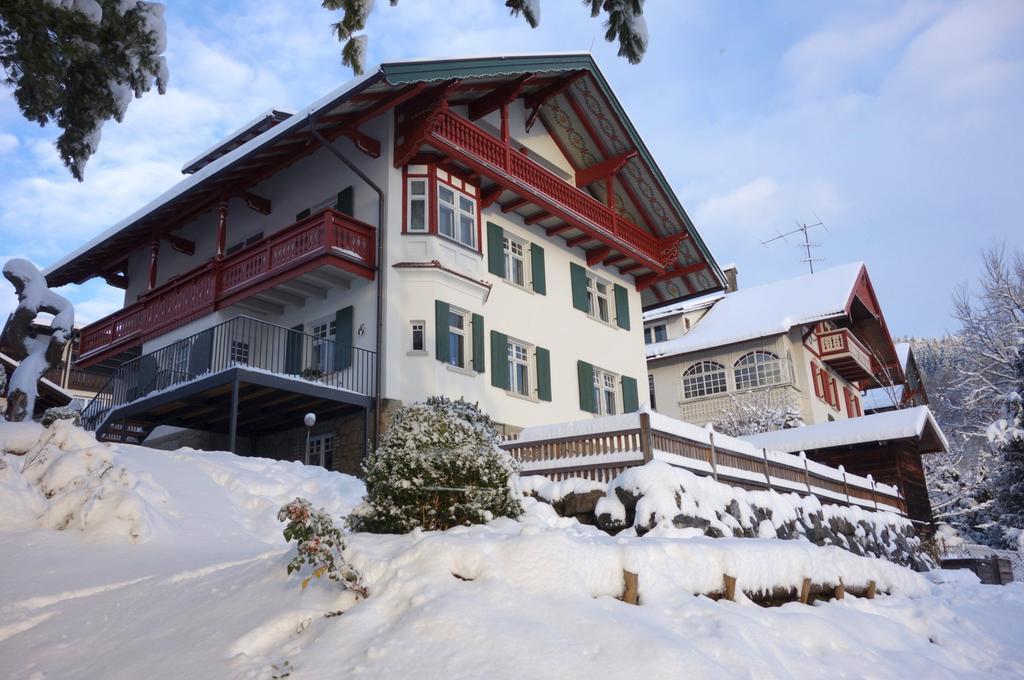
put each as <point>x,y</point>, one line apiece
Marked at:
<point>328,239</point>
<point>845,354</point>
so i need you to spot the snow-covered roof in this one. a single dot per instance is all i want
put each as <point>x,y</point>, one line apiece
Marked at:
<point>903,353</point>
<point>684,306</point>
<point>254,127</point>
<point>910,423</point>
<point>881,398</point>
<point>769,309</point>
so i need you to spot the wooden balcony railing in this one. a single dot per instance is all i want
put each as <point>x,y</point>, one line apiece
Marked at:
<point>605,224</point>
<point>634,439</point>
<point>846,355</point>
<point>327,237</point>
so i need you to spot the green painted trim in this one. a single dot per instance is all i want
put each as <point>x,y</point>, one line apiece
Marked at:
<point>630,396</point>
<point>441,331</point>
<point>495,249</point>
<point>540,285</point>
<point>499,360</point>
<point>578,279</point>
<point>477,322</point>
<point>621,307</point>
<point>585,379</point>
<point>343,331</point>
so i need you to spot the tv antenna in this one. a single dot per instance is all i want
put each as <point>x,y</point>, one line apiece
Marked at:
<point>803,228</point>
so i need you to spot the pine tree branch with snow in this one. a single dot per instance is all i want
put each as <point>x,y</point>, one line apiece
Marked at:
<point>624,23</point>
<point>79,63</point>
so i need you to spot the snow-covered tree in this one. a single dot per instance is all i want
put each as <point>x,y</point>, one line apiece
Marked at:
<point>78,63</point>
<point>624,23</point>
<point>438,466</point>
<point>1007,435</point>
<point>757,411</point>
<point>38,352</point>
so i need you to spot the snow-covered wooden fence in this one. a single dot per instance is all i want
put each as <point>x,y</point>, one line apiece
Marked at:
<point>602,448</point>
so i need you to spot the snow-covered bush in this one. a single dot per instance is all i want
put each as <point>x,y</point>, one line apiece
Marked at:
<point>320,545</point>
<point>438,466</point>
<point>55,413</point>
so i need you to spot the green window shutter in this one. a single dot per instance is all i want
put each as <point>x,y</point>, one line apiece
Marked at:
<point>478,343</point>
<point>293,351</point>
<point>578,277</point>
<point>585,372</point>
<point>622,307</point>
<point>441,331</point>
<point>537,267</point>
<point>346,199</point>
<point>495,249</point>
<point>499,360</point>
<point>630,398</point>
<point>343,338</point>
<point>543,358</point>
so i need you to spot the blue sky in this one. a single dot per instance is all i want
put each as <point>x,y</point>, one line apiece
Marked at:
<point>898,124</point>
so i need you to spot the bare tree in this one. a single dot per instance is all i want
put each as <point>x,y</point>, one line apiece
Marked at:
<point>758,411</point>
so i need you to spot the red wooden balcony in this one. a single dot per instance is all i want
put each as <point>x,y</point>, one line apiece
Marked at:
<point>845,354</point>
<point>514,171</point>
<point>325,239</point>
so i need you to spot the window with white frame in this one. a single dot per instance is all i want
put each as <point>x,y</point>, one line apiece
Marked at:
<point>606,393</point>
<point>657,333</point>
<point>418,336</point>
<point>457,325</point>
<point>757,369</point>
<point>704,378</point>
<point>323,346</point>
<point>599,298</point>
<point>417,207</point>
<point>518,368</point>
<point>515,260</point>
<point>456,216</point>
<point>318,449</point>
<point>239,352</point>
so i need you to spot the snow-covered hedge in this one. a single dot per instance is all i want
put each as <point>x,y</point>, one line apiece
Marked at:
<point>657,495</point>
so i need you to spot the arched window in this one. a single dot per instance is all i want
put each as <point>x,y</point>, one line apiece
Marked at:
<point>704,378</point>
<point>757,369</point>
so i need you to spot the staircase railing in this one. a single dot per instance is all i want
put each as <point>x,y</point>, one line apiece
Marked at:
<point>239,342</point>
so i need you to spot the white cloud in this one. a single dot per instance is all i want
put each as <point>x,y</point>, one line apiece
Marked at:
<point>8,143</point>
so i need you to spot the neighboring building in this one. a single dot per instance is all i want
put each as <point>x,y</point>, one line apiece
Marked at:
<point>815,341</point>
<point>888,446</point>
<point>910,393</point>
<point>482,228</point>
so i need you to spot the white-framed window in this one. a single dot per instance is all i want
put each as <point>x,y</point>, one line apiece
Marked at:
<point>458,324</point>
<point>757,369</point>
<point>704,378</point>
<point>456,216</point>
<point>606,393</point>
<point>657,333</point>
<point>418,338</point>
<point>599,298</point>
<point>515,260</point>
<point>239,352</point>
<point>417,206</point>
<point>519,368</point>
<point>318,449</point>
<point>323,346</point>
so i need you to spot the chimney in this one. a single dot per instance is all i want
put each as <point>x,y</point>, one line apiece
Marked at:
<point>730,271</point>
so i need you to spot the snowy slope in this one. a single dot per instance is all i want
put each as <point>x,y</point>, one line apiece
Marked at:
<point>173,566</point>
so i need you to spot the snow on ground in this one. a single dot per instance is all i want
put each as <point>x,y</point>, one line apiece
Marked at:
<point>171,564</point>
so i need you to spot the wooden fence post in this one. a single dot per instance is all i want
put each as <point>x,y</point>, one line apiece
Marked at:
<point>846,485</point>
<point>874,496</point>
<point>807,472</point>
<point>805,591</point>
<point>730,588</point>
<point>840,591</point>
<point>631,587</point>
<point>767,468</point>
<point>645,437</point>
<point>714,456</point>
<point>870,594</point>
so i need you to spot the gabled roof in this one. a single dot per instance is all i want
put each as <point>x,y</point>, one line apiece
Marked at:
<point>643,195</point>
<point>250,130</point>
<point>684,306</point>
<point>769,309</point>
<point>911,423</point>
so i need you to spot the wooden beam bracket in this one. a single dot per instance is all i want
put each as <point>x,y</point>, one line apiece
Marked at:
<point>536,100</point>
<point>498,97</point>
<point>256,203</point>
<point>599,171</point>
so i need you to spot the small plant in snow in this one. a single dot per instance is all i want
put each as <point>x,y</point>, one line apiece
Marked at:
<point>55,413</point>
<point>320,545</point>
<point>438,466</point>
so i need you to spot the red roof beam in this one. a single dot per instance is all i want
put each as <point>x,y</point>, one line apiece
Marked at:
<point>597,254</point>
<point>498,97</point>
<point>599,171</point>
<point>647,280</point>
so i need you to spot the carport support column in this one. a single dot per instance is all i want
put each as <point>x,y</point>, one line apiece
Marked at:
<point>233,426</point>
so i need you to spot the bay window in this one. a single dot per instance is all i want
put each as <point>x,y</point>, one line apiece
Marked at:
<point>456,216</point>
<point>417,207</point>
